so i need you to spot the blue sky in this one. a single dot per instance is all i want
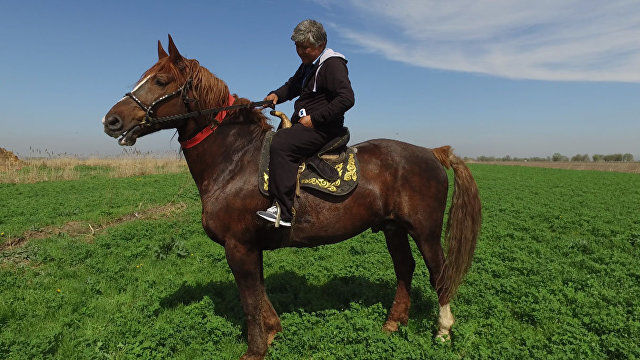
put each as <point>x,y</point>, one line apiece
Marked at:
<point>491,78</point>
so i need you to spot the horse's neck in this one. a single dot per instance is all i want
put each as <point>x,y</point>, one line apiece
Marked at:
<point>216,161</point>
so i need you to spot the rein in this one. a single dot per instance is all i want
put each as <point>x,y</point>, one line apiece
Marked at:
<point>151,120</point>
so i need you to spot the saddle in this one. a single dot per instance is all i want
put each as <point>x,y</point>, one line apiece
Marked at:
<point>333,170</point>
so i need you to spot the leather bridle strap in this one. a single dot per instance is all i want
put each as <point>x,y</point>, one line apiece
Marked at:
<point>151,120</point>
<point>208,130</point>
<point>198,113</point>
<point>222,113</point>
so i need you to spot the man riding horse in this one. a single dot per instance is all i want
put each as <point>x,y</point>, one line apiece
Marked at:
<point>324,93</point>
<point>408,202</point>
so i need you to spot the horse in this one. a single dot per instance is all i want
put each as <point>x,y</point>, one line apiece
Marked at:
<point>403,190</point>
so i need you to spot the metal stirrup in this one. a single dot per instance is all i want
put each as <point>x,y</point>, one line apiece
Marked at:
<point>277,215</point>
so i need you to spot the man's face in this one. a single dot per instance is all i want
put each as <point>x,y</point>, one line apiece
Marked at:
<point>308,53</point>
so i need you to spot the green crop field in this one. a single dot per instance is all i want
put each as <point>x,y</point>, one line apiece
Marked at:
<point>120,268</point>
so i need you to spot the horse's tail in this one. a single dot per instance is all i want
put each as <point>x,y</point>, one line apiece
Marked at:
<point>463,224</point>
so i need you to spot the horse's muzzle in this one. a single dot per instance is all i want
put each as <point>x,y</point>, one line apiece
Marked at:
<point>114,127</point>
<point>113,123</point>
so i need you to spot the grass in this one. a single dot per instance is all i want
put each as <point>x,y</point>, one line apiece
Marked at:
<point>614,166</point>
<point>556,276</point>
<point>34,170</point>
<point>96,200</point>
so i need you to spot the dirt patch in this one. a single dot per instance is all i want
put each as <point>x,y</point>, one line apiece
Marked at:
<point>9,160</point>
<point>83,228</point>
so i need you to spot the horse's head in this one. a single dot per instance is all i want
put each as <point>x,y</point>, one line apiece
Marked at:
<point>173,86</point>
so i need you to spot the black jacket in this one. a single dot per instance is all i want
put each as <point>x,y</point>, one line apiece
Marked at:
<point>324,91</point>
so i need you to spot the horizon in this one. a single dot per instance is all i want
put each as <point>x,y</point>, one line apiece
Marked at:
<point>490,78</point>
<point>38,154</point>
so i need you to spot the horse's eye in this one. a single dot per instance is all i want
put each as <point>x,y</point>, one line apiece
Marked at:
<point>160,82</point>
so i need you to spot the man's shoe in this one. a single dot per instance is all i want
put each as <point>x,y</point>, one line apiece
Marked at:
<point>272,214</point>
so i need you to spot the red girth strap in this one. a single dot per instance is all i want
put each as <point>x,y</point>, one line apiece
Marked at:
<point>207,130</point>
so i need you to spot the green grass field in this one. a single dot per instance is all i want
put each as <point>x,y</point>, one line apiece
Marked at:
<point>556,276</point>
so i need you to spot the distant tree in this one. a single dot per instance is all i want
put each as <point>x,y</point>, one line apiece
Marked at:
<point>627,157</point>
<point>579,157</point>
<point>559,157</point>
<point>597,157</point>
<point>506,158</point>
<point>613,157</point>
<point>486,158</point>
<point>535,158</point>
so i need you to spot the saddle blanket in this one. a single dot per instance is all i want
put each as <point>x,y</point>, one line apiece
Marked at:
<point>346,165</point>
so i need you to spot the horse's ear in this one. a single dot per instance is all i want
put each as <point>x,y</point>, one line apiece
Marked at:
<point>161,53</point>
<point>173,51</point>
<point>175,56</point>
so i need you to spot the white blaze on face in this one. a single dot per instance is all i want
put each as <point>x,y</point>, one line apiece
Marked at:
<point>141,83</point>
<point>104,120</point>
<point>137,87</point>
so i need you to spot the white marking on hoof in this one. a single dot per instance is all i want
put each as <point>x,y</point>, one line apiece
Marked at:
<point>390,327</point>
<point>443,338</point>
<point>445,322</point>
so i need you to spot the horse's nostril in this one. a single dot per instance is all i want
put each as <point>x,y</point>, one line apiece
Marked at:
<point>114,123</point>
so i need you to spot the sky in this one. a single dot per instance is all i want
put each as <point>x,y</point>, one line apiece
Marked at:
<point>489,78</point>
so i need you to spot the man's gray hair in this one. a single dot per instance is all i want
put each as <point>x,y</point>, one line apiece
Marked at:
<point>309,32</point>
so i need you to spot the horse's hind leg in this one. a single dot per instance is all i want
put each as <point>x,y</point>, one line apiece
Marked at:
<point>404,265</point>
<point>433,255</point>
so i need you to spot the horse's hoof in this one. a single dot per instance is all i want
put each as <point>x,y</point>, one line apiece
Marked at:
<point>251,357</point>
<point>390,326</point>
<point>443,336</point>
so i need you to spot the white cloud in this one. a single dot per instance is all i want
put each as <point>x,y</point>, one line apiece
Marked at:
<point>574,40</point>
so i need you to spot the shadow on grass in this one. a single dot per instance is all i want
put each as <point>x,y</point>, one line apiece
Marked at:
<point>290,292</point>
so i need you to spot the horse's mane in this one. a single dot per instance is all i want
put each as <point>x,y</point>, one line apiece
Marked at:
<point>210,91</point>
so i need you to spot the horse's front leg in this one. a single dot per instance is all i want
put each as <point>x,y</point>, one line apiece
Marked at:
<point>270,319</point>
<point>246,264</point>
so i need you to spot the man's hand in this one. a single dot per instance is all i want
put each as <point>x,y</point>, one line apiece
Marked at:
<point>306,121</point>
<point>272,97</point>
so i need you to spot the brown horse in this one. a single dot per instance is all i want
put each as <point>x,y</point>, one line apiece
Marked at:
<point>402,191</point>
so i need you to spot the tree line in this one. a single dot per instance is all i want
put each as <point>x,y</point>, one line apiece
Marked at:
<point>559,157</point>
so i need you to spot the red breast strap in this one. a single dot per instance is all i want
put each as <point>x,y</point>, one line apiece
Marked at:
<point>208,130</point>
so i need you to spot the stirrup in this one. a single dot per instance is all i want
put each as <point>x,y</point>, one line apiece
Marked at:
<point>277,224</point>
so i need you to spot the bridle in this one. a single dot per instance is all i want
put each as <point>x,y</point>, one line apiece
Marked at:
<point>151,120</point>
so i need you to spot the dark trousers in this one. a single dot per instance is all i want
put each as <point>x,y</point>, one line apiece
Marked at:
<point>288,149</point>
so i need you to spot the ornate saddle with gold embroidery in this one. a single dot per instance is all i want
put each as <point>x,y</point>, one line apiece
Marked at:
<point>333,170</point>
